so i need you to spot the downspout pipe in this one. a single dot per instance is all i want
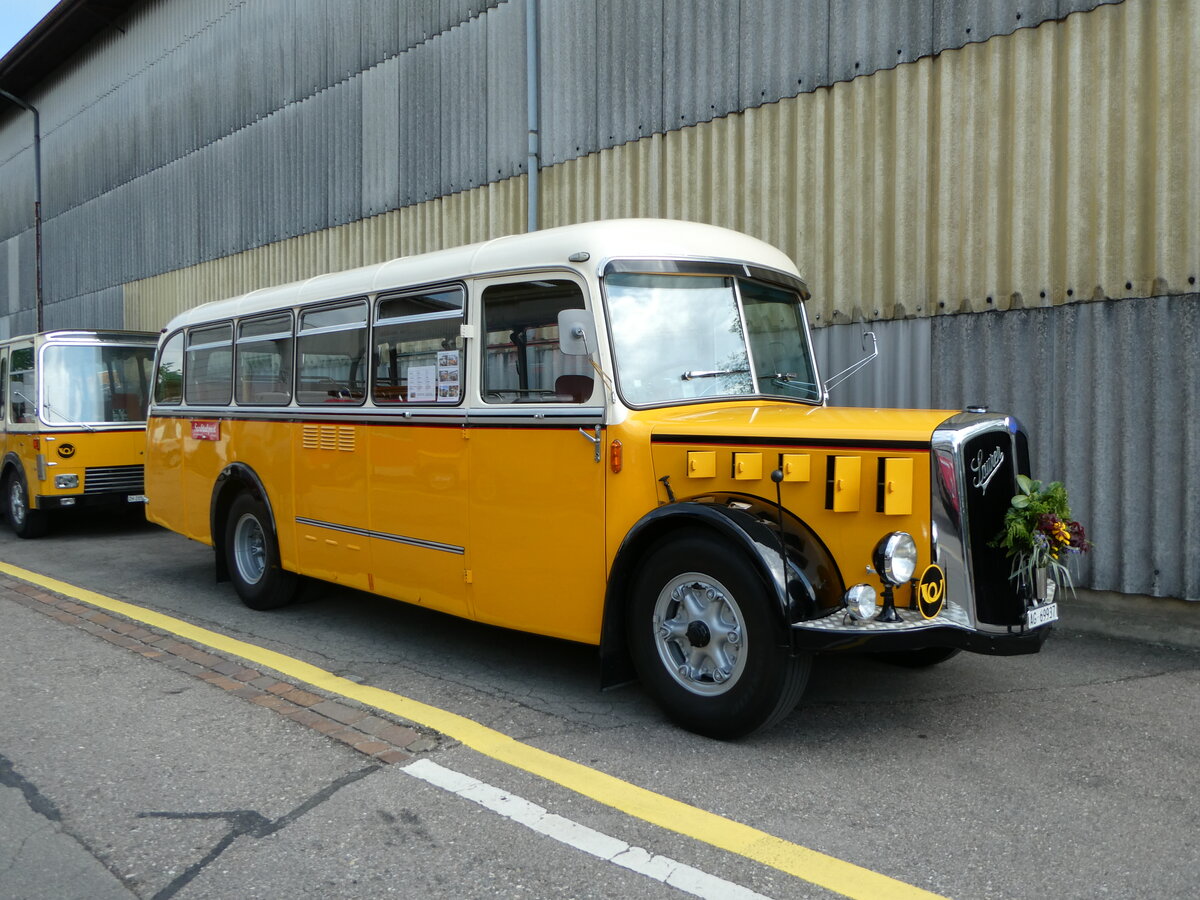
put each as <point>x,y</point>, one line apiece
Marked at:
<point>37,201</point>
<point>532,100</point>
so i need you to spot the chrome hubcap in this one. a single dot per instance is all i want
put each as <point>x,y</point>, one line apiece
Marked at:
<point>16,502</point>
<point>699,634</point>
<point>250,549</point>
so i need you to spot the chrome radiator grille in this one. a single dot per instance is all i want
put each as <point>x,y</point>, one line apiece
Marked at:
<point>113,480</point>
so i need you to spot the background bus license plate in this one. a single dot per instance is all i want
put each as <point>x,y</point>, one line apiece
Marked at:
<point>1042,615</point>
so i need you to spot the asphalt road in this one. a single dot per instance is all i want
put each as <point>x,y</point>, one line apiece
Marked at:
<point>1066,774</point>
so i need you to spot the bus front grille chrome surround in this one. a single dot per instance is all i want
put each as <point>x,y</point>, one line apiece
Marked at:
<point>976,459</point>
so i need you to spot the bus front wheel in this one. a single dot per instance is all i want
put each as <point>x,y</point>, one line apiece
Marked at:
<point>25,522</point>
<point>706,642</point>
<point>252,556</point>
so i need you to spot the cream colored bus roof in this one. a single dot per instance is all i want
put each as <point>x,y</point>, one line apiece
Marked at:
<point>602,240</point>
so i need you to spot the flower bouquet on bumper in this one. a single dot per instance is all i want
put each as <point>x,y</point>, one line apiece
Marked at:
<point>1041,538</point>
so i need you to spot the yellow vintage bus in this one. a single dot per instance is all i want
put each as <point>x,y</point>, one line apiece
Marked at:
<point>73,426</point>
<point>612,433</point>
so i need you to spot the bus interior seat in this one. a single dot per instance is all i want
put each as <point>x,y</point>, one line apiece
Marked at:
<point>575,388</point>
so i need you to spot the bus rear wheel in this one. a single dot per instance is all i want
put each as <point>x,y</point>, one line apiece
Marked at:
<point>252,556</point>
<point>706,642</point>
<point>25,522</point>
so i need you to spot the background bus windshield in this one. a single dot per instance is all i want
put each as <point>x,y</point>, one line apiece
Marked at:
<point>93,384</point>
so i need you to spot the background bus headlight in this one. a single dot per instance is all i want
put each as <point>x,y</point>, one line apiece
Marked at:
<point>66,481</point>
<point>896,557</point>
<point>860,601</point>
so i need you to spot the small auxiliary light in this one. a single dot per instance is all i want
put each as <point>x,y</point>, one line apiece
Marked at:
<point>860,602</point>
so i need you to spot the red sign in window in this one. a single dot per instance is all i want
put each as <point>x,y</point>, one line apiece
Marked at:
<point>206,431</point>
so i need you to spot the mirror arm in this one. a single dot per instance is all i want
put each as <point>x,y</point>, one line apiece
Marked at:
<point>850,370</point>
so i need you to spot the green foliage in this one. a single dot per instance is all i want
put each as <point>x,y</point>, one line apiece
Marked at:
<point>1039,532</point>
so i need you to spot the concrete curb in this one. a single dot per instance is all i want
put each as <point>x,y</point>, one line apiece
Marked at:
<point>1153,620</point>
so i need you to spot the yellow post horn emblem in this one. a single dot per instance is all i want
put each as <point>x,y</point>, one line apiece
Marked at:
<point>931,591</point>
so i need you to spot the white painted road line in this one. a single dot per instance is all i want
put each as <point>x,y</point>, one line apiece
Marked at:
<point>565,831</point>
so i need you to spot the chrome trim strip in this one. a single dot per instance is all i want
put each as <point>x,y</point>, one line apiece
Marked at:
<point>383,536</point>
<point>545,412</point>
<point>373,415</point>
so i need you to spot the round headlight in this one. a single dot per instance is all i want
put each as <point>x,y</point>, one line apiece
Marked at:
<point>860,601</point>
<point>896,557</point>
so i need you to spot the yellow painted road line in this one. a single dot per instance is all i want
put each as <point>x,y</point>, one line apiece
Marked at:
<point>673,815</point>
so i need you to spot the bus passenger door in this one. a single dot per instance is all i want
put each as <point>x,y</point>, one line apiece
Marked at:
<point>536,556</point>
<point>419,450</point>
<point>330,479</point>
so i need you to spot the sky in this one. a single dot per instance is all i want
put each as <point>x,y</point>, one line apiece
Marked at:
<point>17,18</point>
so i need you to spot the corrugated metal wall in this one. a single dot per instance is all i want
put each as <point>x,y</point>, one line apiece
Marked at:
<point>923,158</point>
<point>254,121</point>
<point>1053,165</point>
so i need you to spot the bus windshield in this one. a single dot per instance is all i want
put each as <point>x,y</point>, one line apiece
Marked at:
<point>687,337</point>
<point>90,383</point>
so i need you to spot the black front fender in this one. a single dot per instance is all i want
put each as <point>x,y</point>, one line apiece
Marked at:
<point>793,565</point>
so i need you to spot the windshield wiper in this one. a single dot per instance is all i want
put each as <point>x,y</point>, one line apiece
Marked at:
<point>713,373</point>
<point>66,420</point>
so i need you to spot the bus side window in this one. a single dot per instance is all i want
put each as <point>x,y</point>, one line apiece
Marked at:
<point>522,359</point>
<point>264,360</point>
<point>168,381</point>
<point>22,385</point>
<point>332,343</point>
<point>417,348</point>
<point>209,372</point>
<point>3,384</point>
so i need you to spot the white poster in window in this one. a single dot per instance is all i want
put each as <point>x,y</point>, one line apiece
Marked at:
<point>422,384</point>
<point>447,377</point>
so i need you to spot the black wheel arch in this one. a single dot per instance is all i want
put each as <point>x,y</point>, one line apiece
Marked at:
<point>750,523</point>
<point>12,466</point>
<point>12,463</point>
<point>235,479</point>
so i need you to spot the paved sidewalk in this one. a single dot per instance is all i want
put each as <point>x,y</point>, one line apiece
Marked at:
<point>384,741</point>
<point>92,738</point>
<point>1154,620</point>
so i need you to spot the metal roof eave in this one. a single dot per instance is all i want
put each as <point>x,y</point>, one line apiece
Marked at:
<point>58,37</point>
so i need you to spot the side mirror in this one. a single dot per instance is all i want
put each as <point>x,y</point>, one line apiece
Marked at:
<point>576,332</point>
<point>831,383</point>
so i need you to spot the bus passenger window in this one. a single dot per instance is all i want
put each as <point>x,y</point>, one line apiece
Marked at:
<point>331,365</point>
<point>22,386</point>
<point>522,360</point>
<point>417,354</point>
<point>264,360</point>
<point>209,380</point>
<point>3,383</point>
<point>168,381</point>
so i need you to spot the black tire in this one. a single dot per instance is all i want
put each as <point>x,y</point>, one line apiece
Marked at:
<point>252,556</point>
<point>917,659</point>
<point>25,522</point>
<point>706,641</point>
